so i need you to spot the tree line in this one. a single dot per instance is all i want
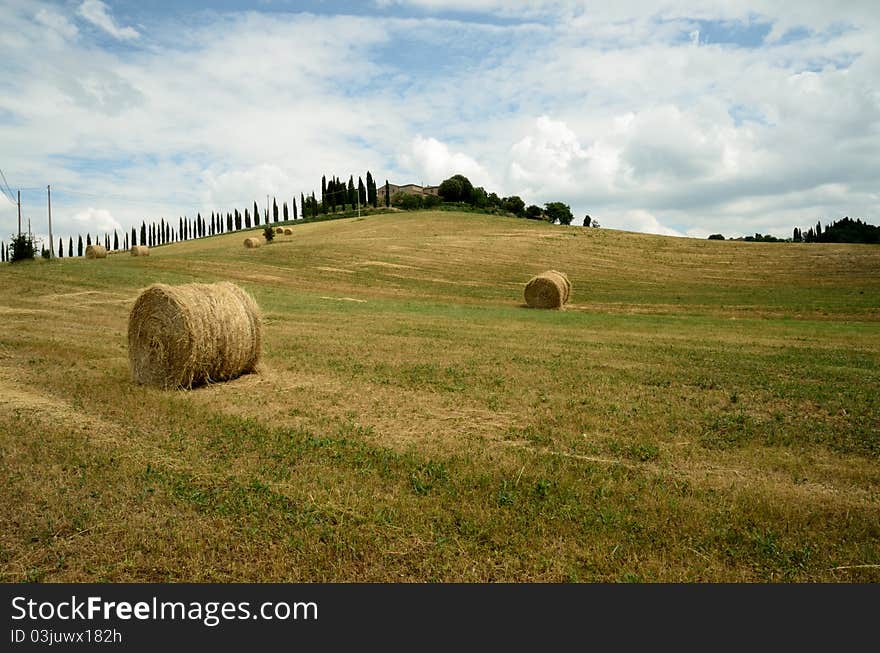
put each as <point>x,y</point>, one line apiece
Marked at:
<point>335,194</point>
<point>845,230</point>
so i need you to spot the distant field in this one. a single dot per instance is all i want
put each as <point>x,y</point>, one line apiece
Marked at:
<point>702,411</point>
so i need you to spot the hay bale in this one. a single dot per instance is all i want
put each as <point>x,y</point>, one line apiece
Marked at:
<point>181,336</point>
<point>279,230</point>
<point>288,231</point>
<point>253,243</point>
<point>96,251</point>
<point>550,289</point>
<point>140,250</point>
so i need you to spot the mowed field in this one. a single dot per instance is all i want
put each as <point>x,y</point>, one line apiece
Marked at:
<point>702,411</point>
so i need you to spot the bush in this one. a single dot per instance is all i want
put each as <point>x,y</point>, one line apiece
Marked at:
<point>22,248</point>
<point>268,233</point>
<point>716,237</point>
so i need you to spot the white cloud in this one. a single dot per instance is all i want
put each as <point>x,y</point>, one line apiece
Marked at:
<point>97,13</point>
<point>96,220</point>
<point>610,109</point>
<point>433,161</point>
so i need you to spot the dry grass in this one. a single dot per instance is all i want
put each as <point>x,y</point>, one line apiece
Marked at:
<point>707,411</point>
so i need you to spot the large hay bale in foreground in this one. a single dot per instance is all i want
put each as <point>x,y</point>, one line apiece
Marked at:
<point>140,250</point>
<point>253,243</point>
<point>550,289</point>
<point>96,251</point>
<point>181,336</point>
<point>288,231</point>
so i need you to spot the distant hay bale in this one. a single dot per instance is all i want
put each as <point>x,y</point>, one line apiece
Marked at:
<point>96,251</point>
<point>252,243</point>
<point>140,250</point>
<point>279,230</point>
<point>550,289</point>
<point>288,231</point>
<point>181,336</point>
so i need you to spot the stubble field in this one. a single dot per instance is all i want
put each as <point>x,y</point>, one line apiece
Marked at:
<point>702,411</point>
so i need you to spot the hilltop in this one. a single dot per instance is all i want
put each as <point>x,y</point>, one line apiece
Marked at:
<point>703,410</point>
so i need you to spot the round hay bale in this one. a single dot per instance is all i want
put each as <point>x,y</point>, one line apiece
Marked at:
<point>140,250</point>
<point>288,231</point>
<point>96,251</point>
<point>550,289</point>
<point>279,230</point>
<point>252,243</point>
<point>181,336</point>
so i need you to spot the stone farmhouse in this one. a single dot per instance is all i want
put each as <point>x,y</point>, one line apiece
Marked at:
<point>411,189</point>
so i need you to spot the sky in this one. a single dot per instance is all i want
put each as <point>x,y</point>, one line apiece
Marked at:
<point>667,116</point>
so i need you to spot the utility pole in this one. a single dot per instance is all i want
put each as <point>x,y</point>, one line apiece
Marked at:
<point>267,209</point>
<point>51,242</point>
<point>19,214</point>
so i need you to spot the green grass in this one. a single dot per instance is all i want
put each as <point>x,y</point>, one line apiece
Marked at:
<point>703,411</point>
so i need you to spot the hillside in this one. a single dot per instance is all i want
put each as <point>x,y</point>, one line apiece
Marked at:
<point>702,411</point>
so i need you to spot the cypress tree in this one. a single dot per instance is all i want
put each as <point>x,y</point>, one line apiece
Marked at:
<point>79,246</point>
<point>115,240</point>
<point>285,213</point>
<point>125,244</point>
<point>362,192</point>
<point>371,190</point>
<point>256,209</point>
<point>107,242</point>
<point>167,232</point>
<point>60,248</point>
<point>2,252</point>
<point>314,205</point>
<point>247,219</point>
<point>143,233</point>
<point>293,205</point>
<point>228,222</point>
<point>323,194</point>
<point>274,210</point>
<point>387,194</point>
<point>88,239</point>
<point>70,247</point>
<point>302,205</point>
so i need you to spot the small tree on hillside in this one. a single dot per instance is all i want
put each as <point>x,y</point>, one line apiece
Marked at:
<point>534,212</point>
<point>387,194</point>
<point>558,212</point>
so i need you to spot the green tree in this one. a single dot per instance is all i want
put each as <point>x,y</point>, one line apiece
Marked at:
<point>457,188</point>
<point>274,210</point>
<point>558,212</point>
<point>323,194</point>
<point>362,192</point>
<point>115,240</point>
<point>387,194</point>
<point>534,212</point>
<point>79,245</point>
<point>587,219</point>
<point>514,204</point>
<point>268,233</point>
<point>70,247</point>
<point>372,191</point>
<point>284,211</point>
<point>22,248</point>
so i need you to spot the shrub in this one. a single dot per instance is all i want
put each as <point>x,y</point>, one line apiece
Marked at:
<point>22,247</point>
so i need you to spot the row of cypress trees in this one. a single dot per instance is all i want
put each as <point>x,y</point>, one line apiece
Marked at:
<point>335,195</point>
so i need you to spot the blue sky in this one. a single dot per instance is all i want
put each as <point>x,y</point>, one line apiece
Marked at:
<point>672,117</point>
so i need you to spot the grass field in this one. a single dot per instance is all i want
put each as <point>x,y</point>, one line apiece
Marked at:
<point>702,411</point>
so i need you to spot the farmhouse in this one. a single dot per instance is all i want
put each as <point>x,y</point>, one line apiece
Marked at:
<point>410,189</point>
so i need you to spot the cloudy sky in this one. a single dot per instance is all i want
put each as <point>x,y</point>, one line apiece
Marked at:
<point>672,116</point>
